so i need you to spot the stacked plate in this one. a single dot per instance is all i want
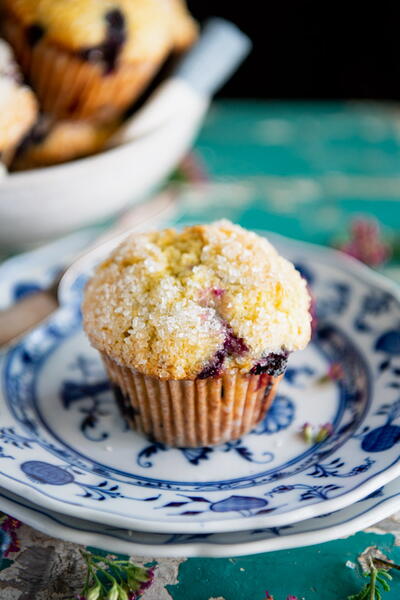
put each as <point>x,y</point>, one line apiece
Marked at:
<point>69,466</point>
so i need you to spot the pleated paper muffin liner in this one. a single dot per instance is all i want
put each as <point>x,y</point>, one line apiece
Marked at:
<point>72,88</point>
<point>186,413</point>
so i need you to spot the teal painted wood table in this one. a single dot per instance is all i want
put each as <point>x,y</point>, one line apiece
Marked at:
<point>306,171</point>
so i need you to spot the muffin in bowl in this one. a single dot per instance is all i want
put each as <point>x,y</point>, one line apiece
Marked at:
<point>18,106</point>
<point>52,142</point>
<point>92,58</point>
<point>195,328</point>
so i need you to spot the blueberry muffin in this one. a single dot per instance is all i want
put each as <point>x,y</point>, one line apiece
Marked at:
<point>18,106</point>
<point>195,328</point>
<point>52,142</point>
<point>92,58</point>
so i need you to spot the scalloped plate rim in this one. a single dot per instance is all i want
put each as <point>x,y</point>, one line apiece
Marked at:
<point>48,525</point>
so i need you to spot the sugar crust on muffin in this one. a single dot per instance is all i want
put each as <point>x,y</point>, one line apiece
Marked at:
<point>183,304</point>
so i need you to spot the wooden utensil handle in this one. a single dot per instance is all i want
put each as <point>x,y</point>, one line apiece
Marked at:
<point>21,317</point>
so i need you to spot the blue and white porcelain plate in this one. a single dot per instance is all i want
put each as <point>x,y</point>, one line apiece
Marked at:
<point>362,514</point>
<point>64,446</point>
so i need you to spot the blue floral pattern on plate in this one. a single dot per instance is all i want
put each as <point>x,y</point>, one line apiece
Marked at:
<point>378,505</point>
<point>61,434</point>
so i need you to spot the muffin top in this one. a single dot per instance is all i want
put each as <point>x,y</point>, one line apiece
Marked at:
<point>18,107</point>
<point>187,304</point>
<point>192,303</point>
<point>101,29</point>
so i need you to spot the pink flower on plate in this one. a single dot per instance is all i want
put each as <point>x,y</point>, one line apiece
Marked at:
<point>336,372</point>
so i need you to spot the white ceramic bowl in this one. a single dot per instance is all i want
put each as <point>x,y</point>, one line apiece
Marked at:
<point>44,203</point>
<point>41,204</point>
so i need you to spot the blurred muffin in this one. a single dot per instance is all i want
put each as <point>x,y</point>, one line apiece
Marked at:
<point>92,58</point>
<point>18,106</point>
<point>50,143</point>
<point>195,328</point>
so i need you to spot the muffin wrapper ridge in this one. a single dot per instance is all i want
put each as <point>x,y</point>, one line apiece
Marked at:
<point>185,413</point>
<point>70,87</point>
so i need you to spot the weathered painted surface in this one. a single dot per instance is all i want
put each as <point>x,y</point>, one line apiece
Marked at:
<point>317,572</point>
<point>48,569</point>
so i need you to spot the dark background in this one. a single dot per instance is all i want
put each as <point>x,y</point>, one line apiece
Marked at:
<point>313,50</point>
